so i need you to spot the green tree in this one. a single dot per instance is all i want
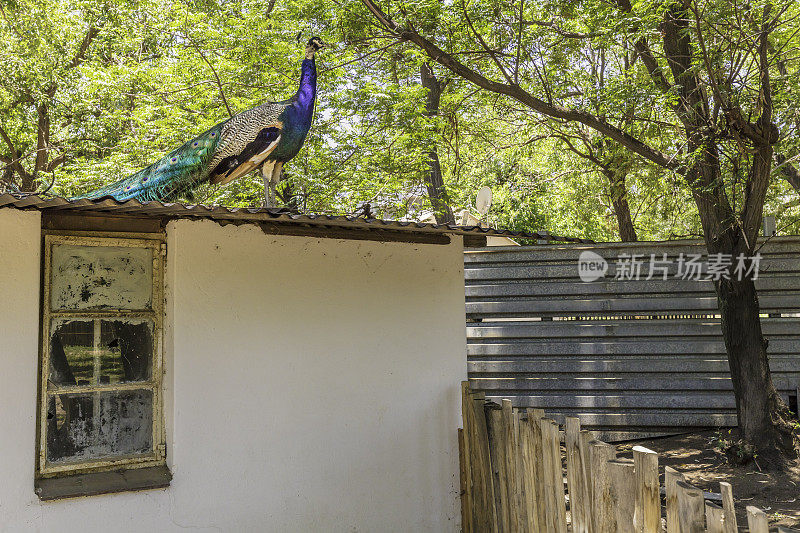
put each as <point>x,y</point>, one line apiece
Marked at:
<point>711,65</point>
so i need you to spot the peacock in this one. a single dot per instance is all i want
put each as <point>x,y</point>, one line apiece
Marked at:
<point>265,137</point>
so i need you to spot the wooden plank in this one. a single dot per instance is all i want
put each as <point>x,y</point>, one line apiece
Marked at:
<point>465,437</point>
<point>619,401</point>
<point>571,252</point>
<point>577,477</point>
<point>572,428</point>
<point>89,222</point>
<point>648,498</point>
<point>671,478</point>
<point>485,366</point>
<point>757,520</point>
<point>613,347</point>
<point>654,381</point>
<point>527,472</point>
<point>463,477</point>
<point>619,328</point>
<point>622,494</point>
<point>555,507</point>
<point>651,420</point>
<point>728,508</point>
<point>497,451</point>
<point>510,457</point>
<point>601,511</point>
<point>485,516</point>
<point>549,272</point>
<point>654,305</point>
<point>522,494</point>
<point>691,513</point>
<point>535,417</point>
<point>478,290</point>
<point>714,522</point>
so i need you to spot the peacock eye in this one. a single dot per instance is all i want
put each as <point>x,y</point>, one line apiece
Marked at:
<point>213,134</point>
<point>145,179</point>
<point>128,188</point>
<point>174,159</point>
<point>194,143</point>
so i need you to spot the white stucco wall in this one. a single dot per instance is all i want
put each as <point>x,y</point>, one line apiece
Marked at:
<point>312,385</point>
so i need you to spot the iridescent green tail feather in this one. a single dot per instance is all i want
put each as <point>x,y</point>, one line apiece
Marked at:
<point>176,174</point>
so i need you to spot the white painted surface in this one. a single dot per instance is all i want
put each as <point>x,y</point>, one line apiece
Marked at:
<point>312,385</point>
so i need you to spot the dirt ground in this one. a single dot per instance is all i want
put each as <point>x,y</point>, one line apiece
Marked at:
<point>698,458</point>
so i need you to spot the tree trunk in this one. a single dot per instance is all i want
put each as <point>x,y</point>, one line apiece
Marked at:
<point>619,200</point>
<point>762,414</point>
<point>433,180</point>
<point>759,408</point>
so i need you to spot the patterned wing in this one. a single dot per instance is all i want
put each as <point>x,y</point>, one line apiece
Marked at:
<point>252,154</point>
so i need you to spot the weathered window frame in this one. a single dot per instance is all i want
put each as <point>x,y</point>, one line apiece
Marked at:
<point>155,243</point>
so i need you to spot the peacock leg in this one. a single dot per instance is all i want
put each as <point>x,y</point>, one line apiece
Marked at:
<point>266,176</point>
<point>275,179</point>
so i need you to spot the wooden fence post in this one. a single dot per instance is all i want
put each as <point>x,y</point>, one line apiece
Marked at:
<point>671,478</point>
<point>509,444</point>
<point>519,470</point>
<point>463,478</point>
<point>484,515</point>
<point>528,470</point>
<point>599,454</point>
<point>690,508</point>
<point>535,417</point>
<point>648,497</point>
<point>577,476</point>
<point>497,452</point>
<point>555,507</point>
<point>465,462</point>
<point>757,520</point>
<point>622,491</point>
<point>729,513</point>
<point>714,520</point>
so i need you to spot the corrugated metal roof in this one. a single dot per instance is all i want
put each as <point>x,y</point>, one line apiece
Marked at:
<point>251,214</point>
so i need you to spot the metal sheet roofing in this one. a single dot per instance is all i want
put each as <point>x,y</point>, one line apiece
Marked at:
<point>107,206</point>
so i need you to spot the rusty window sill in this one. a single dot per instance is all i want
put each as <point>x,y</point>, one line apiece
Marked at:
<point>102,482</point>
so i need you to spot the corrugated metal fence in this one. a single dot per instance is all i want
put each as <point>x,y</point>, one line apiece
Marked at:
<point>630,357</point>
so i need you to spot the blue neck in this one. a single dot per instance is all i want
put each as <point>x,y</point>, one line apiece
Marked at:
<point>308,86</point>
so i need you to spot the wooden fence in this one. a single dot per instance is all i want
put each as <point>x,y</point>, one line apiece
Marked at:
<point>512,480</point>
<point>629,357</point>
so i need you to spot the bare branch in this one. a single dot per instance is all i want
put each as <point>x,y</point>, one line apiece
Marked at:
<point>213,71</point>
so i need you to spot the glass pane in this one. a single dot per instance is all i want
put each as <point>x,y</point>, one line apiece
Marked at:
<point>97,277</point>
<point>99,351</point>
<point>83,427</point>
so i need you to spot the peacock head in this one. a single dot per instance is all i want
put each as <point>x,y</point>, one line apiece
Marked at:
<point>314,44</point>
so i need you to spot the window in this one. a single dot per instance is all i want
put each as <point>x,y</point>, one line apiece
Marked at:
<point>100,389</point>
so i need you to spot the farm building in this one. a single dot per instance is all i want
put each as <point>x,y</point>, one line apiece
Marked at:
<point>169,366</point>
<point>257,370</point>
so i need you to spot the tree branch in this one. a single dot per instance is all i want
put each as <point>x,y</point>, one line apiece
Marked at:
<point>789,171</point>
<point>213,71</point>
<point>519,94</point>
<point>80,55</point>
